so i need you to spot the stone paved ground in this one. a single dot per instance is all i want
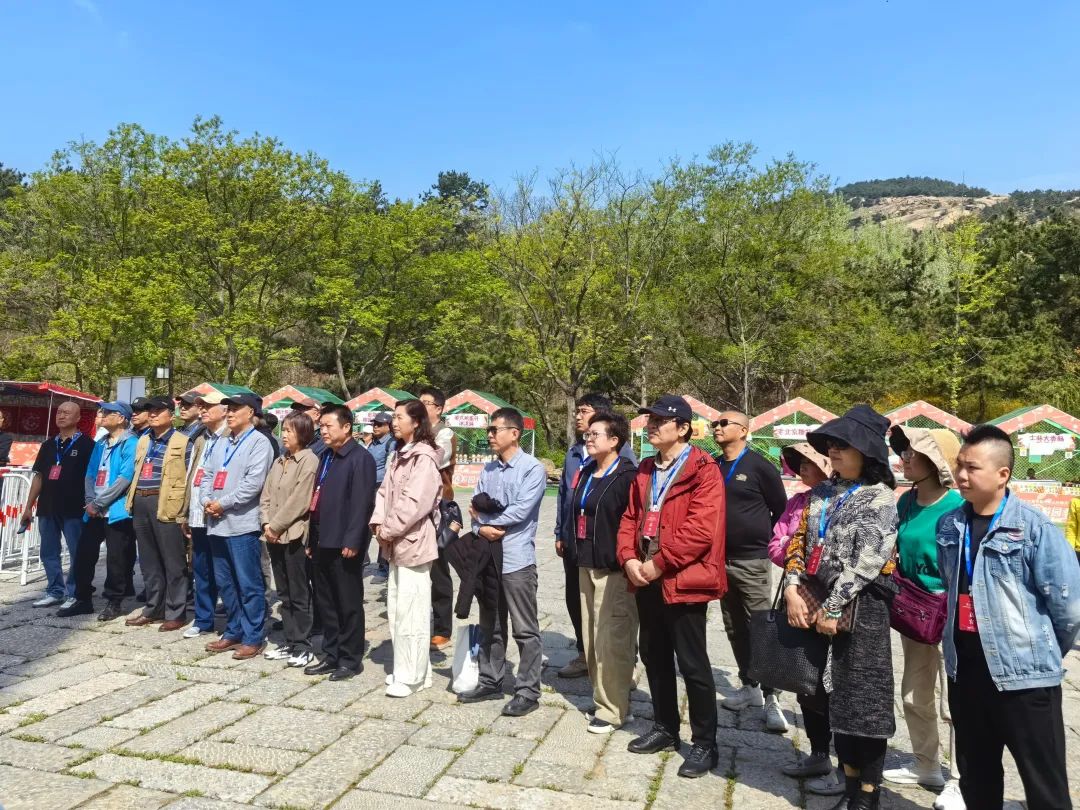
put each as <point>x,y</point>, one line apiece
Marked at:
<point>105,716</point>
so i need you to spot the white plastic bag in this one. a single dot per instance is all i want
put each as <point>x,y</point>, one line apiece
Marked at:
<point>466,667</point>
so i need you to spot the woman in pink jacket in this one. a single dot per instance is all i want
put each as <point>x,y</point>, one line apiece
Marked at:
<point>812,468</point>
<point>404,522</point>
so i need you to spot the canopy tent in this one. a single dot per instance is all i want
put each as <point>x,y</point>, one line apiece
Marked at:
<point>468,414</point>
<point>922,414</point>
<point>1046,442</point>
<point>704,416</point>
<point>28,409</point>
<point>280,401</point>
<point>364,406</point>
<point>222,388</point>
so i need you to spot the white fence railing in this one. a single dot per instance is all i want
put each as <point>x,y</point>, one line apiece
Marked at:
<point>19,553</point>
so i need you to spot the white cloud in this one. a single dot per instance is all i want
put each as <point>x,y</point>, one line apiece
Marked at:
<point>90,7</point>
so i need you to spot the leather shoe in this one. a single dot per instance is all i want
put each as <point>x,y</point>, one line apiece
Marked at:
<point>172,624</point>
<point>699,762</point>
<point>141,621</point>
<point>222,644</point>
<point>481,693</point>
<point>113,610</point>
<point>653,741</point>
<point>246,651</point>
<point>520,706</point>
<point>78,609</point>
<point>320,668</point>
<point>342,674</point>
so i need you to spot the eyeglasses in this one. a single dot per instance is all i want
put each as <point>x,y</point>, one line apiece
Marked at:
<point>584,410</point>
<point>593,435</point>
<point>428,403</point>
<point>723,423</point>
<point>658,421</point>
<point>837,444</point>
<point>491,431</point>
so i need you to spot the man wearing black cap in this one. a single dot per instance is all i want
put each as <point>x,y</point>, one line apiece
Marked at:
<point>157,501</point>
<point>755,501</point>
<point>188,403</point>
<point>140,416</point>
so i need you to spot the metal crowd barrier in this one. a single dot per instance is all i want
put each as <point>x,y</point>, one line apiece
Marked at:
<point>19,553</point>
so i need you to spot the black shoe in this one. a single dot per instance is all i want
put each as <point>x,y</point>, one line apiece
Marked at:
<point>342,674</point>
<point>481,693</point>
<point>653,741</point>
<point>320,668</point>
<point>699,762</point>
<point>866,800</point>
<point>142,596</point>
<point>520,706</point>
<point>80,608</point>
<point>113,610</point>
<point>277,624</point>
<point>851,790</point>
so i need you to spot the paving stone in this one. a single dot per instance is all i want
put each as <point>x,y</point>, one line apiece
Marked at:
<point>9,722</point>
<point>368,800</point>
<point>23,789</point>
<point>327,696</point>
<point>35,755</point>
<point>33,640</point>
<point>710,791</point>
<point>472,715</point>
<point>171,706</point>
<point>454,790</point>
<point>569,744</point>
<point>533,726</point>
<point>408,770</point>
<point>377,704</point>
<point>451,738</point>
<point>98,738</point>
<point>62,699</point>
<point>8,661</point>
<point>186,730</point>
<point>128,797</point>
<point>284,727</point>
<point>247,757</point>
<point>198,673</point>
<point>618,774</point>
<point>758,787</point>
<point>177,778</point>
<point>54,680</point>
<point>492,757</point>
<point>267,691</point>
<point>327,775</point>
<point>755,739</point>
<point>202,803</point>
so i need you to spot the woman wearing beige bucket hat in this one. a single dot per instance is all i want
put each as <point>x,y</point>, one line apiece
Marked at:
<point>929,458</point>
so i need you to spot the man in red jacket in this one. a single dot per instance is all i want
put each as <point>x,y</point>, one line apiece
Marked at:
<point>671,546</point>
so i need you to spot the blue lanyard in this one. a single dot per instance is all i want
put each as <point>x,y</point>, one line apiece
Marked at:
<point>657,496</point>
<point>325,469</point>
<point>228,455</point>
<point>589,480</point>
<point>60,453</point>
<point>208,448</point>
<point>735,464</point>
<point>823,524</point>
<point>968,559</point>
<point>108,451</point>
<point>155,441</point>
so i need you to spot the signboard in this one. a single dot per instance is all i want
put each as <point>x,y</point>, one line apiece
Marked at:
<point>792,432</point>
<point>1046,444</point>
<point>365,417</point>
<point>467,420</point>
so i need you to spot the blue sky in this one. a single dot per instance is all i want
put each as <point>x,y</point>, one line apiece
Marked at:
<point>980,91</point>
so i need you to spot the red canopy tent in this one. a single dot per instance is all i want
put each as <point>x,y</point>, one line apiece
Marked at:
<point>28,414</point>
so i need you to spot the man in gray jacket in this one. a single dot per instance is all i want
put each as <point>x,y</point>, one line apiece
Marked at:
<point>229,493</point>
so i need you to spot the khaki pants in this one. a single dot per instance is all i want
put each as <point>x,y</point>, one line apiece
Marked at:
<point>924,669</point>
<point>609,625</point>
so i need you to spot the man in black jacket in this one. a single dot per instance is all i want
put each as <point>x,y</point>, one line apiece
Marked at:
<point>341,508</point>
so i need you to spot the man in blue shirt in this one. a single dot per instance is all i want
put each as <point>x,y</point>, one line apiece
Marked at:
<point>382,445</point>
<point>514,486</point>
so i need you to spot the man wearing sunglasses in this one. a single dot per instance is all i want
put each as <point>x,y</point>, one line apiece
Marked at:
<point>755,501</point>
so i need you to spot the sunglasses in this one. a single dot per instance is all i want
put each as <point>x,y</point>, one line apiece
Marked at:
<point>491,431</point>
<point>837,444</point>
<point>723,423</point>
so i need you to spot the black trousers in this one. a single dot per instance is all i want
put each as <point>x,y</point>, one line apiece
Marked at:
<point>339,590</point>
<point>573,592</point>
<point>667,632</point>
<point>119,539</point>
<point>815,712</point>
<point>289,563</point>
<point>864,754</point>
<point>442,597</point>
<point>163,559</point>
<point>1028,722</point>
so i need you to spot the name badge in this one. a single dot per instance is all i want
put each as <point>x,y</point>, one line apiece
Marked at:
<point>54,472</point>
<point>582,530</point>
<point>147,471</point>
<point>199,473</point>
<point>652,524</point>
<point>100,480</point>
<point>965,608</point>
<point>314,501</point>
<point>815,560</point>
<point>219,479</point>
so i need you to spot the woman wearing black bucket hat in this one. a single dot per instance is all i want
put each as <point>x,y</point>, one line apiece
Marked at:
<point>845,556</point>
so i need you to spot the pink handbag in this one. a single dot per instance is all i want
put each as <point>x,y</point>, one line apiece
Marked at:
<point>917,613</point>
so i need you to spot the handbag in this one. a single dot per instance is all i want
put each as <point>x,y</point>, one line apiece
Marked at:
<point>814,594</point>
<point>785,657</point>
<point>465,671</point>
<point>917,613</point>
<point>449,513</point>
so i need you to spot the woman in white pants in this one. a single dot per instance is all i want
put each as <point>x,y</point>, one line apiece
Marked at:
<point>404,522</point>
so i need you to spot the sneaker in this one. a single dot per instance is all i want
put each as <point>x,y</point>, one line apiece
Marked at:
<point>278,653</point>
<point>914,774</point>
<point>827,785</point>
<point>746,696</point>
<point>810,765</point>
<point>598,726</point>
<point>48,601</point>
<point>193,632</point>
<point>302,659</point>
<point>699,762</point>
<point>439,642</point>
<point>397,689</point>
<point>775,722</point>
<point>70,601</point>
<point>578,668</point>
<point>950,798</point>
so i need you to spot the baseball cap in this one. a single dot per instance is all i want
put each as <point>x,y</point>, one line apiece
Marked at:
<point>670,406</point>
<point>366,429</point>
<point>188,397</point>
<point>382,418</point>
<point>253,401</point>
<point>140,404</point>
<point>158,404</point>
<point>303,404</point>
<point>122,408</point>
<point>212,397</point>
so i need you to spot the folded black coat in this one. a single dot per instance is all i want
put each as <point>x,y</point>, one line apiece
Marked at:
<point>478,563</point>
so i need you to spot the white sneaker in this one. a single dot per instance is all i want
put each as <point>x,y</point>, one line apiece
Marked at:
<point>279,652</point>
<point>746,696</point>
<point>301,659</point>
<point>775,722</point>
<point>390,679</point>
<point>48,601</point>
<point>950,798</point>
<point>193,632</point>
<point>68,603</point>
<point>912,774</point>
<point>402,690</point>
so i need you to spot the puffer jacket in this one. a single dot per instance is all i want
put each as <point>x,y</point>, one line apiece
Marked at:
<point>407,506</point>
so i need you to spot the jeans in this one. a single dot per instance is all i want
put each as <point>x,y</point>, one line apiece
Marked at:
<point>202,568</point>
<point>51,528</point>
<point>239,577</point>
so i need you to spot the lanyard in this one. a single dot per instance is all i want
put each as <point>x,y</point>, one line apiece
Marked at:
<point>155,441</point>
<point>590,479</point>
<point>208,448</point>
<point>735,464</point>
<point>968,559</point>
<point>109,448</point>
<point>61,452</point>
<point>228,455</point>
<point>658,495</point>
<point>823,524</point>
<point>325,469</point>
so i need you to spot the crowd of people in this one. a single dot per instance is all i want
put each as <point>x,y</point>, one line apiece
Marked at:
<point>217,511</point>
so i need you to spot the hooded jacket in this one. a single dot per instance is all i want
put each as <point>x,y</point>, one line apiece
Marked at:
<point>692,529</point>
<point>407,506</point>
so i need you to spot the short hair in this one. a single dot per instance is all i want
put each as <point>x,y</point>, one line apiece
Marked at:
<point>997,440</point>
<point>616,424</point>
<point>343,414</point>
<point>416,411</point>
<point>877,472</point>
<point>598,402</point>
<point>270,420</point>
<point>301,425</point>
<point>511,416</point>
<point>679,425</point>
<point>436,394</point>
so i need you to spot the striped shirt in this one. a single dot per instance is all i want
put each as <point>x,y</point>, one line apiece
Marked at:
<point>155,455</point>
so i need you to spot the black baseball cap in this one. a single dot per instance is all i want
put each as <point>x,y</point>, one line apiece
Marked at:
<point>140,404</point>
<point>382,418</point>
<point>188,397</point>
<point>670,406</point>
<point>253,401</point>
<point>158,404</point>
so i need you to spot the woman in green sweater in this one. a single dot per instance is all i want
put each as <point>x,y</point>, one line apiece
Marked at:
<point>929,458</point>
